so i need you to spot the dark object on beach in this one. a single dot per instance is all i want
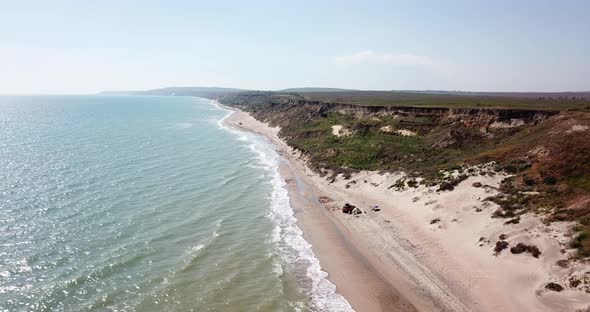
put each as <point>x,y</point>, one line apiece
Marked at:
<point>435,220</point>
<point>477,184</point>
<point>554,287</point>
<point>520,248</point>
<point>503,236</point>
<point>513,221</point>
<point>500,245</point>
<point>356,211</point>
<point>375,208</point>
<point>239,123</point>
<point>347,208</point>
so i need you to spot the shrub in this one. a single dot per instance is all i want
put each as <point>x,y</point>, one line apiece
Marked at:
<point>450,185</point>
<point>500,245</point>
<point>550,180</point>
<point>412,183</point>
<point>529,181</point>
<point>399,185</point>
<point>520,248</point>
<point>554,287</point>
<point>582,243</point>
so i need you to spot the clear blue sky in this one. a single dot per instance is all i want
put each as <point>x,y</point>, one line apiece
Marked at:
<point>86,46</point>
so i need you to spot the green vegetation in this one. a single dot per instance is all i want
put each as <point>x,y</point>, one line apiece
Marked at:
<point>537,101</point>
<point>582,242</point>
<point>369,147</point>
<point>580,181</point>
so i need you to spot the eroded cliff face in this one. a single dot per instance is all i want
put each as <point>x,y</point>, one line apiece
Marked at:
<point>443,127</point>
<point>273,107</point>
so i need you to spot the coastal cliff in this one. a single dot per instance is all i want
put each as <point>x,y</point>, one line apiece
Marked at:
<point>543,152</point>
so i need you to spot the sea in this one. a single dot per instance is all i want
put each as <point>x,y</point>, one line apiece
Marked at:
<point>146,203</point>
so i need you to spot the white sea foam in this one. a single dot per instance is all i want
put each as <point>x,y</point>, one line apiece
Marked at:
<point>198,247</point>
<point>292,248</point>
<point>218,106</point>
<point>209,240</point>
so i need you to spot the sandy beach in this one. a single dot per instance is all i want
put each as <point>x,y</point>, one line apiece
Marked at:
<point>423,250</point>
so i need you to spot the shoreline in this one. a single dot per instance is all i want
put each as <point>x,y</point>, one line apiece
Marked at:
<point>396,260</point>
<point>347,268</point>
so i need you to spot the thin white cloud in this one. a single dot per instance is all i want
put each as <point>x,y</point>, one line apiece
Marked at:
<point>394,59</point>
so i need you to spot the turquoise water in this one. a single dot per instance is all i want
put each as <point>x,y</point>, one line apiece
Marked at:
<point>129,203</point>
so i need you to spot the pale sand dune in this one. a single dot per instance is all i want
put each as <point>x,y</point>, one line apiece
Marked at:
<point>339,130</point>
<point>336,130</point>
<point>404,132</point>
<point>396,260</point>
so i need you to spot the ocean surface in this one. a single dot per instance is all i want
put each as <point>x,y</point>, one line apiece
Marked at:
<point>136,203</point>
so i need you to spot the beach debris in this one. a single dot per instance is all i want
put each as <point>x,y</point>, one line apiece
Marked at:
<point>348,208</point>
<point>503,236</point>
<point>356,211</point>
<point>415,199</point>
<point>375,208</point>
<point>520,248</point>
<point>435,220</point>
<point>477,184</point>
<point>554,286</point>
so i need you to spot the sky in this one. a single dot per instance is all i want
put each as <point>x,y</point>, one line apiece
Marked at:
<point>83,46</point>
